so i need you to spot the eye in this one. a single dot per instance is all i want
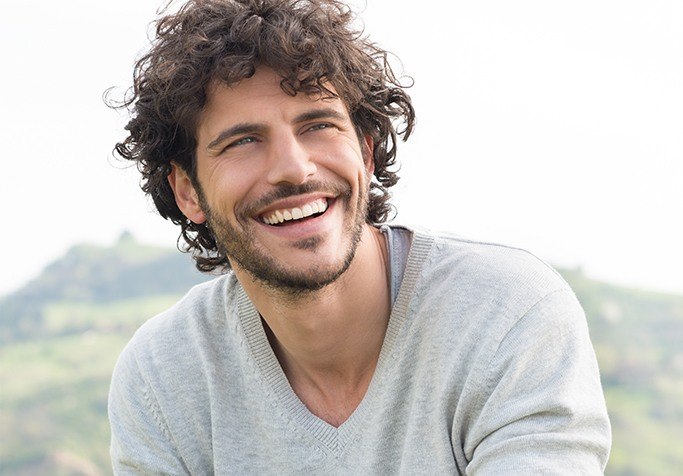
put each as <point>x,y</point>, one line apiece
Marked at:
<point>242,141</point>
<point>320,126</point>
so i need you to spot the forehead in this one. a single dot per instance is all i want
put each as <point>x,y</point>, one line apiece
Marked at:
<point>258,99</point>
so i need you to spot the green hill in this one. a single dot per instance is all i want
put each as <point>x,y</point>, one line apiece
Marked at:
<point>94,274</point>
<point>60,336</point>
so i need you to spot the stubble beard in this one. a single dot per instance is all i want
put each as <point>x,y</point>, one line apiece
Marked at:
<point>239,244</point>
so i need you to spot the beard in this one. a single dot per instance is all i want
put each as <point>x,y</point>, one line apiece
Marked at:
<point>240,246</point>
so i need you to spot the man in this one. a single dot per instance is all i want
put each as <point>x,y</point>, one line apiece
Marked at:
<point>331,344</point>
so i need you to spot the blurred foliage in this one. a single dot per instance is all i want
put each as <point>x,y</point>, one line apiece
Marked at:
<point>61,334</point>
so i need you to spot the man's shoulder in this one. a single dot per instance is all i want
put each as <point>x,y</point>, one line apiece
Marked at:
<point>204,302</point>
<point>476,293</point>
<point>480,256</point>
<point>189,325</point>
<point>485,269</point>
<point>161,381</point>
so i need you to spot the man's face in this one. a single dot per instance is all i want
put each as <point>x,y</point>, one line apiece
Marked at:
<point>283,182</point>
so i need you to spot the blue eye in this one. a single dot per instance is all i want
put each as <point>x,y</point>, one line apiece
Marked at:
<point>245,140</point>
<point>239,142</point>
<point>318,127</point>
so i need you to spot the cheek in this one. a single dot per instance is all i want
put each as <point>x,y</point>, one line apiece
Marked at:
<point>228,185</point>
<point>346,160</point>
<point>236,194</point>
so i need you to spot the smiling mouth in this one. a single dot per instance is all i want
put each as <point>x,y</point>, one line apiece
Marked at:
<point>290,215</point>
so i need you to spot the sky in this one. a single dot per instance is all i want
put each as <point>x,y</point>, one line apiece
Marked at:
<point>553,126</point>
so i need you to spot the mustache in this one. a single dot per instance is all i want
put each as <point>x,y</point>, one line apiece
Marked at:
<point>286,190</point>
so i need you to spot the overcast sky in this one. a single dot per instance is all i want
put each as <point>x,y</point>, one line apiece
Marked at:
<point>555,126</point>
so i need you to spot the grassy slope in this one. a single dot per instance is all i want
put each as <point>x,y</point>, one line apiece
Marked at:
<point>55,390</point>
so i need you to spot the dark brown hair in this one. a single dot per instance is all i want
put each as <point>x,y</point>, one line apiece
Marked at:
<point>308,42</point>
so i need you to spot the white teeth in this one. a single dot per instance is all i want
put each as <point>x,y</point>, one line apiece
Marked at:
<point>296,213</point>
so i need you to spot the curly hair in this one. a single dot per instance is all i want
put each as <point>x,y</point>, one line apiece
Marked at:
<point>309,43</point>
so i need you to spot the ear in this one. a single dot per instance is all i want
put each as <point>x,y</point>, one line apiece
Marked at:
<point>368,149</point>
<point>186,196</point>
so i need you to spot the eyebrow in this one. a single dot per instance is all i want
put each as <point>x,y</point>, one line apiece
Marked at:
<point>324,113</point>
<point>250,128</point>
<point>237,129</point>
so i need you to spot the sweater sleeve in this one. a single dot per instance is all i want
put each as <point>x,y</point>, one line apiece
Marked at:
<point>140,440</point>
<point>542,410</point>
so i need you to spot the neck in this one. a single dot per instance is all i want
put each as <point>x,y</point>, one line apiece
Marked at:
<point>328,341</point>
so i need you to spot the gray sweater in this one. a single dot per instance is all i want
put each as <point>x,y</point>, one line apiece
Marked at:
<point>486,368</point>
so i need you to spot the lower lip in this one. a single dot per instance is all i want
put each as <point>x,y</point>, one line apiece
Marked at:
<point>298,230</point>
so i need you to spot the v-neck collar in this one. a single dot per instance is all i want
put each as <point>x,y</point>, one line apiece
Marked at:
<point>334,439</point>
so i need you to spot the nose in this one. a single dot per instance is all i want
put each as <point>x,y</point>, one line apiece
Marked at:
<point>290,161</point>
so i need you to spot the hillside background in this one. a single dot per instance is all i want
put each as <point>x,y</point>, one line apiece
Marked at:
<point>60,336</point>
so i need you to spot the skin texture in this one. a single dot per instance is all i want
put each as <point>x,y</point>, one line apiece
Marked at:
<point>320,284</point>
